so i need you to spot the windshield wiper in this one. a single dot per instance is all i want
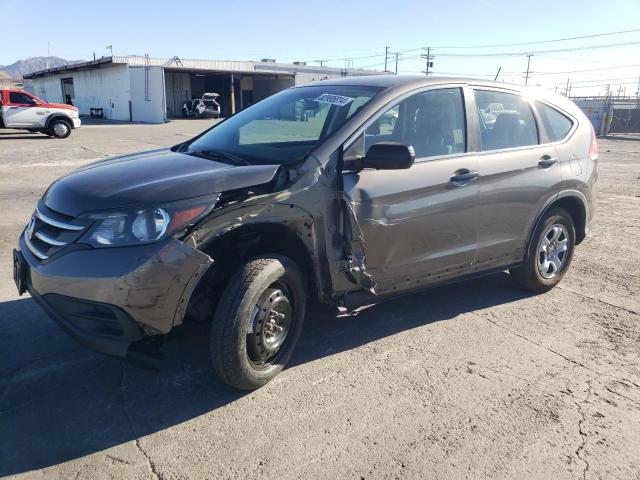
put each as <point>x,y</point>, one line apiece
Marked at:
<point>220,155</point>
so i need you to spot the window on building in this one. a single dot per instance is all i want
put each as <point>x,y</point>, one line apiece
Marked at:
<point>555,123</point>
<point>506,120</point>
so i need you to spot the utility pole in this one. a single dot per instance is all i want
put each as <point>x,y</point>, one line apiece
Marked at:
<point>110,48</point>
<point>566,90</point>
<point>526,77</point>
<point>386,58</point>
<point>497,73</point>
<point>428,60</point>
<point>397,54</point>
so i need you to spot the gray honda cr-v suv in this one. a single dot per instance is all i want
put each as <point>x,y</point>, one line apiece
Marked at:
<point>347,191</point>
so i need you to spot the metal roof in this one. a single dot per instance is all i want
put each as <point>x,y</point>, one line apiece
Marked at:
<point>176,63</point>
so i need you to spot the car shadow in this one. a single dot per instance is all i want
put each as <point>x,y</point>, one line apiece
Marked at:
<point>627,137</point>
<point>26,135</point>
<point>59,401</point>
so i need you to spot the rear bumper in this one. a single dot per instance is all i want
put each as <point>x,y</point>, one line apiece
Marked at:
<point>109,298</point>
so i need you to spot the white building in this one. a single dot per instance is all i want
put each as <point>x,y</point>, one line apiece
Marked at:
<point>144,89</point>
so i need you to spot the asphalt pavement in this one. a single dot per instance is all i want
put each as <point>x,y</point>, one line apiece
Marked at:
<point>475,380</point>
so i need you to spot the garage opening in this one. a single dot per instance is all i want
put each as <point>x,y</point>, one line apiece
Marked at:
<point>236,91</point>
<point>68,92</point>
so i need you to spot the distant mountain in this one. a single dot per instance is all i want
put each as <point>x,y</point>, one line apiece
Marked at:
<point>34,64</point>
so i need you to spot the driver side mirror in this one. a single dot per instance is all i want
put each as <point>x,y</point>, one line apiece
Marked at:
<point>389,156</point>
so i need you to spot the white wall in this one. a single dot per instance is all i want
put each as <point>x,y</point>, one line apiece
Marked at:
<point>152,107</point>
<point>48,89</point>
<point>107,87</point>
<point>304,77</point>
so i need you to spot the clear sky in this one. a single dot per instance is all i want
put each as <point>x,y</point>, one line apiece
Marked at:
<point>332,29</point>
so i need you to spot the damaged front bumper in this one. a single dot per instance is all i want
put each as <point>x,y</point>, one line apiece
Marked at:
<point>109,298</point>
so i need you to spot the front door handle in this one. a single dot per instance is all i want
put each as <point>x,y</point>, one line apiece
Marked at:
<point>546,161</point>
<point>463,176</point>
<point>13,108</point>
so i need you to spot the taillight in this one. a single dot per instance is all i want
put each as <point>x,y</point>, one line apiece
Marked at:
<point>593,150</point>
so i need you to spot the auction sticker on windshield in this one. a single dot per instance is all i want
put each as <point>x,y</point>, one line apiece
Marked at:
<point>338,100</point>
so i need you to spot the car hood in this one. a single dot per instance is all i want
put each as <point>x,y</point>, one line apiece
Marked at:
<point>149,178</point>
<point>63,106</point>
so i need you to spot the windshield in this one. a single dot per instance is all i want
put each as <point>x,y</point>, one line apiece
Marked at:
<point>284,127</point>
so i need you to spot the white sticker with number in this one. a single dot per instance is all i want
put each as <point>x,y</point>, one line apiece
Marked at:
<point>338,100</point>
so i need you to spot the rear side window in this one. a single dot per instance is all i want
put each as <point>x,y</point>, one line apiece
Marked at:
<point>555,123</point>
<point>20,98</point>
<point>506,120</point>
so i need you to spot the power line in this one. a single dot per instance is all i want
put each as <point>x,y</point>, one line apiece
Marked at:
<point>364,56</point>
<point>496,54</point>
<point>593,83</point>
<point>606,79</point>
<point>605,84</point>
<point>543,41</point>
<point>589,69</point>
<point>514,54</point>
<point>539,73</point>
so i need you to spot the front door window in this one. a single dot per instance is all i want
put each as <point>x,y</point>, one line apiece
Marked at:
<point>433,122</point>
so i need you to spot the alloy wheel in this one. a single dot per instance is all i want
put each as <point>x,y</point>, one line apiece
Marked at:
<point>553,251</point>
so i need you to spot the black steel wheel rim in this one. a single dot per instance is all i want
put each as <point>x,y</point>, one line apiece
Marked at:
<point>270,326</point>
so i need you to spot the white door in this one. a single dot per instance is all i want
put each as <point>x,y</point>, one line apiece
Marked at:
<point>23,111</point>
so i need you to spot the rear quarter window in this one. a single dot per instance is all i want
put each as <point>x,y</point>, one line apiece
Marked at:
<point>555,123</point>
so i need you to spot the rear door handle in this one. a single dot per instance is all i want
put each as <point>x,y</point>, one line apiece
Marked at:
<point>463,176</point>
<point>547,161</point>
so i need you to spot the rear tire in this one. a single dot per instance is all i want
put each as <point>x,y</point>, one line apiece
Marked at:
<point>258,322</point>
<point>549,254</point>
<point>59,128</point>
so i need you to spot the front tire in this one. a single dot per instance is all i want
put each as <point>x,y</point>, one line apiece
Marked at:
<point>549,254</point>
<point>258,322</point>
<point>59,128</point>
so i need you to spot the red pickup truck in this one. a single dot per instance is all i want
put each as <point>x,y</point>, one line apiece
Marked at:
<point>21,110</point>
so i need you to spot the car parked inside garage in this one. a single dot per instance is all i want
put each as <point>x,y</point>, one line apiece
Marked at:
<point>386,185</point>
<point>23,111</point>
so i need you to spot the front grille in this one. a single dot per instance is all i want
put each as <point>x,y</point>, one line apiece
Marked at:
<point>48,232</point>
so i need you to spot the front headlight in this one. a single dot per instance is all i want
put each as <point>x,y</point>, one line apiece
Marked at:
<point>137,226</point>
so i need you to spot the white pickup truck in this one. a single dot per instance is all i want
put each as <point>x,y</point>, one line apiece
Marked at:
<point>21,110</point>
